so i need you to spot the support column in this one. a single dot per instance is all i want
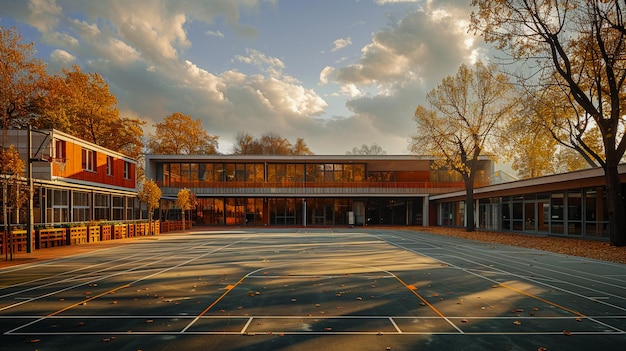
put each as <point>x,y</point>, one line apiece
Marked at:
<point>425,212</point>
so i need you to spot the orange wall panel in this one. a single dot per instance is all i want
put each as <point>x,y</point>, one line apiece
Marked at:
<point>73,168</point>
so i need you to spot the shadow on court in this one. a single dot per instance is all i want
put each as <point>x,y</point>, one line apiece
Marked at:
<point>313,290</point>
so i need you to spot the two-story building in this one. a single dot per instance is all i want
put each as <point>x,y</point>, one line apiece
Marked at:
<point>307,190</point>
<point>74,180</point>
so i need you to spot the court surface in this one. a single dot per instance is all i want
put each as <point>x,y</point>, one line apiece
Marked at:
<point>313,289</point>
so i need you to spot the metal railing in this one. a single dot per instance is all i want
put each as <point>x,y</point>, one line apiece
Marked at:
<point>310,188</point>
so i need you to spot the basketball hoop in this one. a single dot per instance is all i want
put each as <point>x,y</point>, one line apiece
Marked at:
<point>60,162</point>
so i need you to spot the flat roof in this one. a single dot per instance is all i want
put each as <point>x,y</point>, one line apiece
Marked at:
<point>580,177</point>
<point>263,158</point>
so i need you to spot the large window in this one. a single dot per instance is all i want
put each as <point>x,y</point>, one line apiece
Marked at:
<point>101,207</point>
<point>89,160</point>
<point>127,170</point>
<point>557,213</point>
<point>81,207</point>
<point>118,208</point>
<point>110,166</point>
<point>60,149</point>
<point>57,204</point>
<point>574,213</point>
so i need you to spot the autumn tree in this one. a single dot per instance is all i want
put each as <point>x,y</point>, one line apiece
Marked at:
<point>81,104</point>
<point>246,144</point>
<point>179,134</point>
<point>528,142</point>
<point>14,194</point>
<point>21,76</point>
<point>300,148</point>
<point>577,48</point>
<point>274,144</point>
<point>464,116</point>
<point>373,149</point>
<point>185,200</point>
<point>150,194</point>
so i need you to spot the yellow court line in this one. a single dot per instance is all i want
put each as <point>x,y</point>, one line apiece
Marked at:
<point>87,300</point>
<point>542,300</point>
<point>229,288</point>
<point>413,289</point>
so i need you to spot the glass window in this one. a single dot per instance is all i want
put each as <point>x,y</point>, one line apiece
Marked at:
<point>101,207</point>
<point>338,173</point>
<point>109,165</point>
<point>89,160</point>
<point>59,149</point>
<point>259,173</point>
<point>557,213</point>
<point>240,172</point>
<point>127,170</point>
<point>290,172</point>
<point>359,173</point>
<point>174,174</point>
<point>574,206</point>
<point>118,208</point>
<point>281,172</point>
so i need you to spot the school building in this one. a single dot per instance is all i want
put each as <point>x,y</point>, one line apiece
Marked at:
<point>377,190</point>
<point>73,180</point>
<point>309,190</point>
<point>570,204</point>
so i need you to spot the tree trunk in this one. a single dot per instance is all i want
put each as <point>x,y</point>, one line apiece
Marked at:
<point>183,220</point>
<point>615,206</point>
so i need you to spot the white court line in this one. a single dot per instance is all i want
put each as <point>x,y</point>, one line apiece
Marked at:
<point>524,277</point>
<point>515,275</point>
<point>395,325</point>
<point>89,275</point>
<point>128,284</point>
<point>243,330</point>
<point>244,317</point>
<point>495,254</point>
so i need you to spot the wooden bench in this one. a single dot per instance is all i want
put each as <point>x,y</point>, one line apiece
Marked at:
<point>78,235</point>
<point>105,232</point>
<point>119,231</point>
<point>94,234</point>
<point>18,241</point>
<point>51,237</point>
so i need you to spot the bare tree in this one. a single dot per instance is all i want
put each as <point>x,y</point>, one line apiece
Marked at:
<point>373,149</point>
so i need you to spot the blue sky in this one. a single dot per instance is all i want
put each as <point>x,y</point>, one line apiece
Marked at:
<point>337,73</point>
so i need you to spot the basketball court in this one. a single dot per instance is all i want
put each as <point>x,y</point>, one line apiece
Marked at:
<point>313,289</point>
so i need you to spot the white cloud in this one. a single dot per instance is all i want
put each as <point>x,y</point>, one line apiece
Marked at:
<point>341,43</point>
<point>121,52</point>
<point>43,14</point>
<point>62,58</point>
<point>214,33</point>
<point>325,74</point>
<point>85,29</point>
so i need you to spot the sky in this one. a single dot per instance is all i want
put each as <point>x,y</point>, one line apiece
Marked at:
<point>337,73</point>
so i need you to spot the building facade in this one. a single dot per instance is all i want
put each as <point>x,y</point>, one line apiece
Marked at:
<point>305,190</point>
<point>570,204</point>
<point>74,180</point>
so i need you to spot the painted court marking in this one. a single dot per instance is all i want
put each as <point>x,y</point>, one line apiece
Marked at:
<point>452,324</point>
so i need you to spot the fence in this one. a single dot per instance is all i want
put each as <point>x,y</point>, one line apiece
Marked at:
<point>78,234</point>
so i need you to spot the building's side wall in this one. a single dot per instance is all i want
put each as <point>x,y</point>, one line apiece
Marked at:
<point>71,166</point>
